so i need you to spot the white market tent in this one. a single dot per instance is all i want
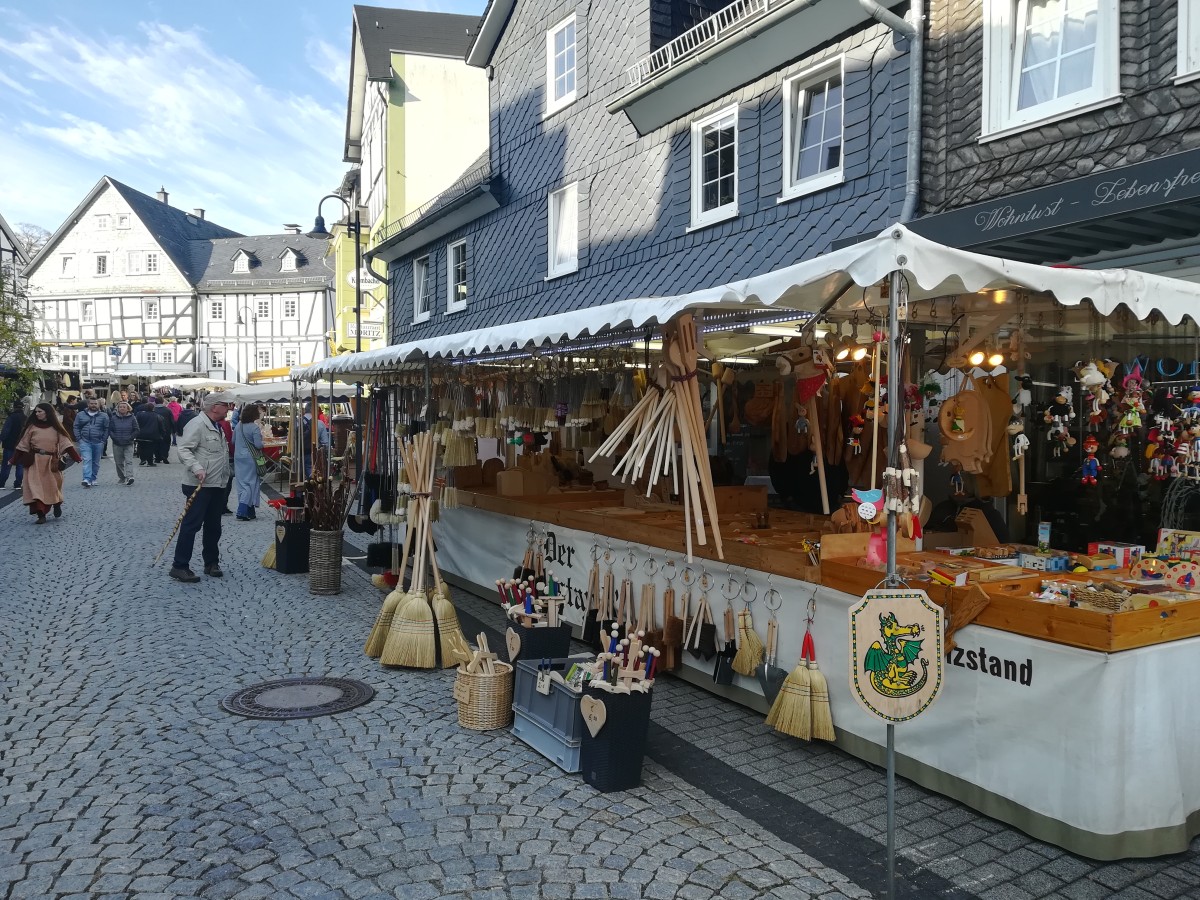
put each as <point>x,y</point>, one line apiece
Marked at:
<point>195,383</point>
<point>931,270</point>
<point>281,392</point>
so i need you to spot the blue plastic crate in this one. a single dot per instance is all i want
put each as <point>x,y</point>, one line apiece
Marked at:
<point>558,711</point>
<point>564,754</point>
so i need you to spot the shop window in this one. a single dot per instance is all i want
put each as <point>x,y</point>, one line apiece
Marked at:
<point>422,290</point>
<point>1047,60</point>
<point>714,168</point>
<point>560,66</point>
<point>812,137</point>
<point>562,251</point>
<point>456,277</point>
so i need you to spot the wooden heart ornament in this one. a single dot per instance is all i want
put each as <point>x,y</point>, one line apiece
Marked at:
<point>514,645</point>
<point>595,714</point>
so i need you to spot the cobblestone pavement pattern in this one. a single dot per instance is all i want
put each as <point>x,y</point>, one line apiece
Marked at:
<point>123,779</point>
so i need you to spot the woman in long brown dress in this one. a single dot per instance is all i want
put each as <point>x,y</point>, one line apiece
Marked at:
<point>42,446</point>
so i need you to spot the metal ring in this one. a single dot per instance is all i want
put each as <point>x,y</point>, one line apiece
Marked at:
<point>748,585</point>
<point>630,561</point>
<point>673,568</point>
<point>650,566</point>
<point>730,582</point>
<point>705,580</point>
<point>772,599</point>
<point>688,576</point>
<point>609,557</point>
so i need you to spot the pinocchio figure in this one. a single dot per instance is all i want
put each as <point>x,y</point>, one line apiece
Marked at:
<point>1091,465</point>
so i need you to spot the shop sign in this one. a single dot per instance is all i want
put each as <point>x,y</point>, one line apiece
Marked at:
<point>896,653</point>
<point>370,330</point>
<point>1128,189</point>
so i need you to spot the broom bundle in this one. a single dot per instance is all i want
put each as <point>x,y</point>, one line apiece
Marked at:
<point>387,613</point>
<point>822,717</point>
<point>750,649</point>
<point>802,707</point>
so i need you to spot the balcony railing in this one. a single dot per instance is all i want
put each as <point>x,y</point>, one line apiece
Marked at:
<point>465,184</point>
<point>711,31</point>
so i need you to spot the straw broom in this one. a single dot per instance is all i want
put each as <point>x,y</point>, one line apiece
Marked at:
<point>791,713</point>
<point>822,718</point>
<point>387,613</point>
<point>750,649</point>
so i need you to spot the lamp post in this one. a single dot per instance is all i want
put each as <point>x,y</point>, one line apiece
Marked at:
<point>254,317</point>
<point>354,226</point>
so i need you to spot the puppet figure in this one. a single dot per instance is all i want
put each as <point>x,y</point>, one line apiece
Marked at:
<point>1091,465</point>
<point>1016,428</point>
<point>1132,405</point>
<point>857,423</point>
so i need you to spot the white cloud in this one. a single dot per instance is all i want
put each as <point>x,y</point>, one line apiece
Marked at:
<point>329,62</point>
<point>164,107</point>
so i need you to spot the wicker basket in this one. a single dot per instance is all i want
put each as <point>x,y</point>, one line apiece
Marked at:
<point>325,562</point>
<point>484,701</point>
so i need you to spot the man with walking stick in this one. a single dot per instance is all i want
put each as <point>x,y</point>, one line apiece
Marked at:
<point>204,452</point>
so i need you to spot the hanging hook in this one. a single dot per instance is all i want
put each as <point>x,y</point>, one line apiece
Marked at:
<point>650,566</point>
<point>669,567</point>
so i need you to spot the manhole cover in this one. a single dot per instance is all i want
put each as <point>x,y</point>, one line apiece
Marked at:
<point>298,698</point>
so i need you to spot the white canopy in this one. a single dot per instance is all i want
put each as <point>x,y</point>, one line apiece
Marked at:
<point>932,270</point>
<point>281,392</point>
<point>195,383</point>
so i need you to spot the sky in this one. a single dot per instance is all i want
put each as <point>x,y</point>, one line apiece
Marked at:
<point>235,107</point>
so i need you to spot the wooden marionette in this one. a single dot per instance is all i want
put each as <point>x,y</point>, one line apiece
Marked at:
<point>854,442</point>
<point>1133,406</point>
<point>1016,429</point>
<point>1091,466</point>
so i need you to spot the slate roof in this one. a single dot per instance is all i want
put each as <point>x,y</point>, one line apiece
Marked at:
<point>386,31</point>
<point>173,229</point>
<point>213,259</point>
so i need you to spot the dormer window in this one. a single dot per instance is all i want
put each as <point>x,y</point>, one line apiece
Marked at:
<point>241,261</point>
<point>287,262</point>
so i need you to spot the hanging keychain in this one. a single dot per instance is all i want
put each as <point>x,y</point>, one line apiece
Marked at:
<point>672,624</point>
<point>750,649</point>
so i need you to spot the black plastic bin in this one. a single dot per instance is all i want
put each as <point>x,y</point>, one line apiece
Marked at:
<point>612,760</point>
<point>544,642</point>
<point>291,548</point>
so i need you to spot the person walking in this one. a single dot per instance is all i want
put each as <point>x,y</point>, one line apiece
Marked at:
<point>149,426</point>
<point>189,413</point>
<point>40,449</point>
<point>174,406</point>
<point>204,453</point>
<point>124,431</point>
<point>166,434</point>
<point>10,434</point>
<point>91,434</point>
<point>247,438</point>
<point>307,425</point>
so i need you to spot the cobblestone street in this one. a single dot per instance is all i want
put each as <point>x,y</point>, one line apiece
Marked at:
<point>123,778</point>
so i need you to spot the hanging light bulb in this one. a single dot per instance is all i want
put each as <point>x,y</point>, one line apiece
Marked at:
<point>995,358</point>
<point>858,353</point>
<point>977,358</point>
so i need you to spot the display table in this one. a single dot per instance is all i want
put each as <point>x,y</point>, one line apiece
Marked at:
<point>1091,751</point>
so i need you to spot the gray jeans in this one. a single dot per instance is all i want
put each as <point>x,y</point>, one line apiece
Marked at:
<point>123,455</point>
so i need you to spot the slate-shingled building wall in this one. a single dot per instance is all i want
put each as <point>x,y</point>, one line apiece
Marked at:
<point>634,193</point>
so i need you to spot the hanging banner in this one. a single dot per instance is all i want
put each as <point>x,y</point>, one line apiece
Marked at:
<point>895,653</point>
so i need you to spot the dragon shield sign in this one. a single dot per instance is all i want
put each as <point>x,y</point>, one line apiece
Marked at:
<point>896,653</point>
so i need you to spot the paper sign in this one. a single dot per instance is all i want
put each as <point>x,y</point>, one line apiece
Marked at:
<point>896,653</point>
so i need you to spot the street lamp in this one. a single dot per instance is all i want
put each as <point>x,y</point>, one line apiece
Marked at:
<point>254,317</point>
<point>354,225</point>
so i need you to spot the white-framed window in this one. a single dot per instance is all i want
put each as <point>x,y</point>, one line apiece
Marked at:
<point>562,249</point>
<point>216,359</point>
<point>168,354</point>
<point>1047,60</point>
<point>560,65</point>
<point>216,312</point>
<point>291,357</point>
<point>102,222</point>
<point>144,262</point>
<point>151,263</point>
<point>1189,38</point>
<point>87,311</point>
<point>288,262</point>
<point>291,307</point>
<point>150,311</point>
<point>122,220</point>
<point>456,277</point>
<point>101,263</point>
<point>262,307</point>
<point>80,361</point>
<point>67,265</point>
<point>263,358</point>
<point>422,290</point>
<point>714,167</point>
<point>241,263</point>
<point>812,133</point>
<point>151,356</point>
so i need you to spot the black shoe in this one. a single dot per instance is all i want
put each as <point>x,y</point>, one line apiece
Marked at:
<point>142,463</point>
<point>128,481</point>
<point>152,465</point>
<point>184,574</point>
<point>213,571</point>
<point>227,512</point>
<point>41,519</point>
<point>58,510</point>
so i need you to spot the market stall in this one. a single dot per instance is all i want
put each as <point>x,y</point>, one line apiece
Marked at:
<point>1041,411</point>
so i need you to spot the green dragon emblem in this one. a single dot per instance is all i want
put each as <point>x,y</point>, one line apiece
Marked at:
<point>888,662</point>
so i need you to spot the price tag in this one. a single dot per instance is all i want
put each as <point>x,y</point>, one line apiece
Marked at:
<point>462,692</point>
<point>543,682</point>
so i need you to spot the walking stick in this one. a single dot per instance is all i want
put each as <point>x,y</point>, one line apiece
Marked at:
<point>192,496</point>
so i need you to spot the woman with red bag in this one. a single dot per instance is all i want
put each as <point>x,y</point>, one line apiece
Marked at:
<point>41,450</point>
